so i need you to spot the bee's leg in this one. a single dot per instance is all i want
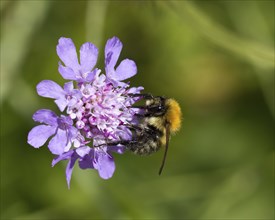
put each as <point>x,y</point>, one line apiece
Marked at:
<point>126,143</point>
<point>139,106</point>
<point>134,127</point>
<point>144,95</point>
<point>115,143</point>
<point>148,112</point>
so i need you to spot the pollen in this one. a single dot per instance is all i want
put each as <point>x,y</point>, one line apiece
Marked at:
<point>173,115</point>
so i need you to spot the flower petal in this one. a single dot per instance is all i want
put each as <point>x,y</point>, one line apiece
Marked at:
<point>68,87</point>
<point>125,133</point>
<point>105,165</point>
<point>72,132</point>
<point>66,72</point>
<point>117,83</point>
<point>49,89</point>
<point>39,135</point>
<point>135,90</point>
<point>112,51</point>
<point>126,69</point>
<point>86,158</point>
<point>61,104</point>
<point>64,156</point>
<point>45,116</point>
<point>58,143</point>
<point>91,75</point>
<point>88,57</point>
<point>117,149</point>
<point>82,151</point>
<point>69,168</point>
<point>67,53</point>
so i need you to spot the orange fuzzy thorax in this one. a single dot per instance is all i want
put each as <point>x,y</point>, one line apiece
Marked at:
<point>173,115</point>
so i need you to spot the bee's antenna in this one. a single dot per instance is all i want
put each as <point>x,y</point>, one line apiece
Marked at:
<point>166,148</point>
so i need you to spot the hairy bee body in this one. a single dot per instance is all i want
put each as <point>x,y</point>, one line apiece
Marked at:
<point>146,140</point>
<point>160,118</point>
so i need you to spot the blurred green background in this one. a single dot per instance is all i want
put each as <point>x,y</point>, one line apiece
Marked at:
<point>215,57</point>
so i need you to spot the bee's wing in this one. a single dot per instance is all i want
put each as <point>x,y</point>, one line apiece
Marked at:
<point>167,128</point>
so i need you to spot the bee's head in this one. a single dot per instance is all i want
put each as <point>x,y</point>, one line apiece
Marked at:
<point>156,106</point>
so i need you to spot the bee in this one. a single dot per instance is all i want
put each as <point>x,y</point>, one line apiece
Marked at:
<point>159,118</point>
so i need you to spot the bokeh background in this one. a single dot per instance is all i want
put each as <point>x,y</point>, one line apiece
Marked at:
<point>215,57</point>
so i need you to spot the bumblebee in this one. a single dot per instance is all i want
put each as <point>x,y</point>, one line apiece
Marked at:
<point>158,118</point>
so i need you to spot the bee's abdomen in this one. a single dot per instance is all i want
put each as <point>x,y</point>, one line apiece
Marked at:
<point>146,142</point>
<point>146,148</point>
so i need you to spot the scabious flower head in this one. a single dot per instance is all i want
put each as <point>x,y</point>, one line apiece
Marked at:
<point>96,108</point>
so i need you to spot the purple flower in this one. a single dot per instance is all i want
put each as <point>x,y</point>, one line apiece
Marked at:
<point>60,127</point>
<point>82,72</point>
<point>98,109</point>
